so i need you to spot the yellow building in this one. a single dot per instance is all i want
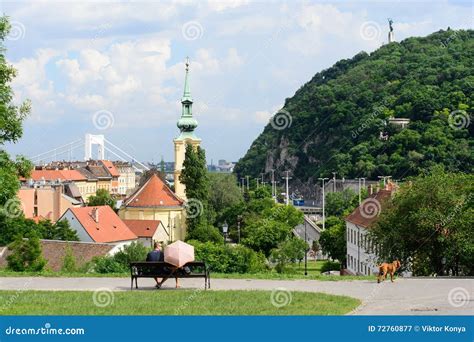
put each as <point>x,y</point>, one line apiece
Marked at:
<point>155,201</point>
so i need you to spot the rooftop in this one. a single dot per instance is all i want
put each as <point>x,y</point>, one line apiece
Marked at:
<point>154,193</point>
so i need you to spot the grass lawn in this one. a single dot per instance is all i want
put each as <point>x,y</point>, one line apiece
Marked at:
<point>172,302</point>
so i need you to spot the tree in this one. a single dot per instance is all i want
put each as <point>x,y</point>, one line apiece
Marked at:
<point>428,224</point>
<point>338,202</point>
<point>102,197</point>
<point>290,250</point>
<point>11,120</point>
<point>333,239</point>
<point>26,254</point>
<point>194,177</point>
<point>223,191</point>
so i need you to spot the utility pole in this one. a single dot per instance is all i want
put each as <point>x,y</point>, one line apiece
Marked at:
<point>248,186</point>
<point>273,184</point>
<point>262,174</point>
<point>242,184</point>
<point>360,194</point>
<point>287,194</point>
<point>324,204</point>
<point>257,179</point>
<point>334,181</point>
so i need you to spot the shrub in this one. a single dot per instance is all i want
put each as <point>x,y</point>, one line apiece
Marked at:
<point>69,261</point>
<point>206,233</point>
<point>26,254</point>
<point>228,259</point>
<point>107,264</point>
<point>129,253</point>
<point>330,266</point>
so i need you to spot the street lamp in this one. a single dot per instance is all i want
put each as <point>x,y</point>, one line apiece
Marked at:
<point>324,214</point>
<point>225,229</point>
<point>305,251</point>
<point>239,218</point>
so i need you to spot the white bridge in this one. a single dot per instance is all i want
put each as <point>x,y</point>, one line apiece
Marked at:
<point>65,152</point>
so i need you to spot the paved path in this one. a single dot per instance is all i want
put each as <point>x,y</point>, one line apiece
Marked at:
<point>403,297</point>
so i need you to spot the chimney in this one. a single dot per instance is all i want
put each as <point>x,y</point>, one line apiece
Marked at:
<point>57,202</point>
<point>95,214</point>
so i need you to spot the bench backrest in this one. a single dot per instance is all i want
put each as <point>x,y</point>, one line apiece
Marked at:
<point>161,267</point>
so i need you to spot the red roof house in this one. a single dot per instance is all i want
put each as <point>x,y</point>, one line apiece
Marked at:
<point>98,224</point>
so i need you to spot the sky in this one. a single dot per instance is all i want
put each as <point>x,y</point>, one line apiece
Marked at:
<point>117,68</point>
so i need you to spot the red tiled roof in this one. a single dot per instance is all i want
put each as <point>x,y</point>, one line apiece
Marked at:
<point>49,175</point>
<point>143,228</point>
<point>111,168</point>
<point>109,228</point>
<point>363,215</point>
<point>154,193</point>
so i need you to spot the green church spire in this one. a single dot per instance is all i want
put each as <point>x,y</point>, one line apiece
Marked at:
<point>187,123</point>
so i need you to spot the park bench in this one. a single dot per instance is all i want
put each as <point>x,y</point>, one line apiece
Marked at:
<point>161,269</point>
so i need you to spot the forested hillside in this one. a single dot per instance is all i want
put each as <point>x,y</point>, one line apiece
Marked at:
<point>335,121</point>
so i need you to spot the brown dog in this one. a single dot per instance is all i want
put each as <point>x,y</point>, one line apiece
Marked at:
<point>388,268</point>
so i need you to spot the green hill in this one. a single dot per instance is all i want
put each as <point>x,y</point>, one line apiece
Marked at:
<point>338,116</point>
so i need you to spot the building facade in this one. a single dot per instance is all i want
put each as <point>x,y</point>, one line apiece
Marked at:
<point>362,256</point>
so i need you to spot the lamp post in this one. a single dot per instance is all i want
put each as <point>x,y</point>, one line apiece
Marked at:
<point>225,228</point>
<point>305,252</point>
<point>239,218</point>
<point>360,195</point>
<point>334,181</point>
<point>324,214</point>
<point>287,194</point>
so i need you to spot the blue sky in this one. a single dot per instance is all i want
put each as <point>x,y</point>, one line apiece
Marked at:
<point>117,68</point>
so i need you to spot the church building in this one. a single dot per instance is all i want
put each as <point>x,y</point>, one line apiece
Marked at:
<point>154,200</point>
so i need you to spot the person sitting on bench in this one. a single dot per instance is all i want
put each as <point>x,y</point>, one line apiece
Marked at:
<point>156,255</point>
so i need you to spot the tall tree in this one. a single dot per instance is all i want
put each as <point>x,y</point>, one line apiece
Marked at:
<point>11,119</point>
<point>194,177</point>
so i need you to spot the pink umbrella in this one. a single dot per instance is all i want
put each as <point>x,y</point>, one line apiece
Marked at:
<point>179,253</point>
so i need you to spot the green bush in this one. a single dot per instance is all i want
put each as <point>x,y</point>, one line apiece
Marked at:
<point>330,266</point>
<point>129,253</point>
<point>206,234</point>
<point>107,264</point>
<point>69,261</point>
<point>228,259</point>
<point>26,254</point>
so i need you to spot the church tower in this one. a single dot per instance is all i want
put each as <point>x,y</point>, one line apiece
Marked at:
<point>186,125</point>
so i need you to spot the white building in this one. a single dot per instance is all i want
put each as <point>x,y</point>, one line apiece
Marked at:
<point>99,224</point>
<point>361,252</point>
